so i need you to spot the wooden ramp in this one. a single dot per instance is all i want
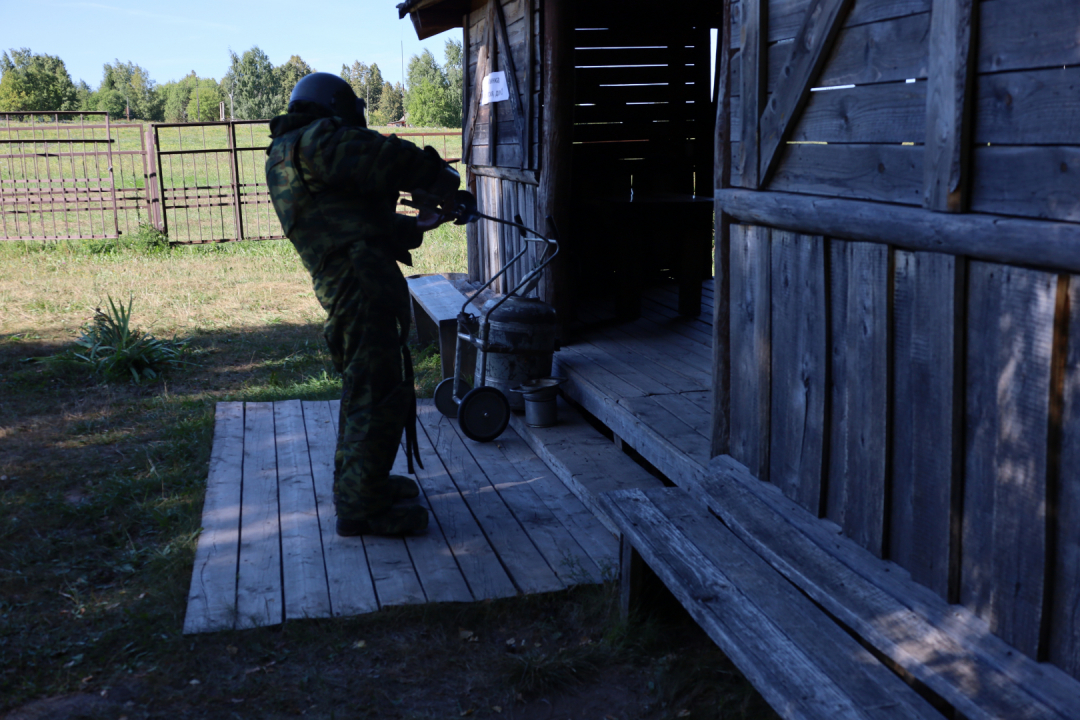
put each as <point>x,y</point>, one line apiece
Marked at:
<point>502,524</point>
<point>649,379</point>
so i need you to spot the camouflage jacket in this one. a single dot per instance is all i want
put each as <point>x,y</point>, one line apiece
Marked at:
<point>333,185</point>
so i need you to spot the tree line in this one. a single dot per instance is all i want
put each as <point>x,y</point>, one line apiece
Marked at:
<point>252,88</point>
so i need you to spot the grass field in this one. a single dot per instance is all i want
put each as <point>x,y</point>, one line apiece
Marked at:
<point>101,488</point>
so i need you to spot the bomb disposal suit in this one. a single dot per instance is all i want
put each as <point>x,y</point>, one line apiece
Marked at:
<point>335,185</point>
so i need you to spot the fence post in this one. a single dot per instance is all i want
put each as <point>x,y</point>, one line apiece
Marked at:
<point>162,210</point>
<point>234,169</point>
<point>112,178</point>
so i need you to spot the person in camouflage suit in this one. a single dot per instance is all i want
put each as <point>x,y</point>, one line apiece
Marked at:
<point>335,185</point>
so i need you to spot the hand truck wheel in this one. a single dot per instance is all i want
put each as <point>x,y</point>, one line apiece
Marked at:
<point>444,397</point>
<point>483,414</point>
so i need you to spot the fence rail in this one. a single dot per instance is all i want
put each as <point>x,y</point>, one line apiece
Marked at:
<point>62,177</point>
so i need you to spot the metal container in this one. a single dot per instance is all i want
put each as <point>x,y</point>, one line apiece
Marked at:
<point>521,336</point>
<point>540,397</point>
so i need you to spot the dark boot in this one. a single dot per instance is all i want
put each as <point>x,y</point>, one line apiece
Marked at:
<point>397,521</point>
<point>404,487</point>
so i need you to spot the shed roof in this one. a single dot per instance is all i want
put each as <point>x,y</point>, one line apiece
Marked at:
<point>431,17</point>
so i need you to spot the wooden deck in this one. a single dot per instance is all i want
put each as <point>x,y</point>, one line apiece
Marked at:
<point>502,524</point>
<point>649,380</point>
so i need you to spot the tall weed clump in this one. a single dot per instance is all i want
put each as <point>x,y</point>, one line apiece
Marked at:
<point>117,350</point>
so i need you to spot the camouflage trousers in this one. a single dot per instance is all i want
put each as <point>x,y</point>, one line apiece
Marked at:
<point>367,300</point>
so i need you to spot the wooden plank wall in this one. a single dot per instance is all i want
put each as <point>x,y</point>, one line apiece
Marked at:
<point>927,403</point>
<point>1026,113</point>
<point>502,197</point>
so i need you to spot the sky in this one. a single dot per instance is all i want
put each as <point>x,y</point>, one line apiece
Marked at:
<point>170,40</point>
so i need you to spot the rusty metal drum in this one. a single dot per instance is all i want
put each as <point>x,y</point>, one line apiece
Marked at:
<point>522,341</point>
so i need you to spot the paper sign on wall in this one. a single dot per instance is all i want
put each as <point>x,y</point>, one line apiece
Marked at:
<point>494,88</point>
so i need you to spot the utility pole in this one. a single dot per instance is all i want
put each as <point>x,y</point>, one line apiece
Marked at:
<point>197,113</point>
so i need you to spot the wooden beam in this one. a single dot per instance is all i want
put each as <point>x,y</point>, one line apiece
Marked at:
<point>515,95</point>
<point>553,197</point>
<point>530,63</point>
<point>948,112</point>
<point>493,59</point>
<point>820,26</point>
<point>753,92</point>
<point>529,177</point>
<point>721,368</point>
<point>1017,241</point>
<point>470,126</point>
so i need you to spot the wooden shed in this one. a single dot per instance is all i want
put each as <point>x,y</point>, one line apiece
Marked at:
<point>893,311</point>
<point>608,130</point>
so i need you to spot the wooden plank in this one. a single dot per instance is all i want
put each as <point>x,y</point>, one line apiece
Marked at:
<point>888,173</point>
<point>515,92</point>
<point>352,591</point>
<point>586,462</point>
<point>668,318</point>
<point>808,52</point>
<point>676,430</point>
<point>523,562</point>
<point>528,70</point>
<point>1035,107</point>
<point>568,560</point>
<point>675,337</point>
<point>435,305</point>
<point>1042,34</point>
<point>664,73</point>
<point>478,562</point>
<point>588,362</point>
<point>720,343</point>
<point>1041,181</point>
<point>927,449</point>
<point>529,177</point>
<point>1064,639</point>
<point>493,57</point>
<point>434,563</point>
<point>654,327</point>
<point>804,665</point>
<point>948,111</point>
<point>211,601</point>
<point>860,380</point>
<point>787,16</point>
<point>888,113</point>
<point>258,584</point>
<point>605,57</point>
<point>1010,326</point>
<point>303,571</point>
<point>799,321</point>
<point>651,358</point>
<point>750,347</point>
<point>631,367</point>
<point>881,52</point>
<point>482,70</point>
<point>956,656</point>
<point>985,237</point>
<point>692,408</point>
<point>753,89</point>
<point>587,531</point>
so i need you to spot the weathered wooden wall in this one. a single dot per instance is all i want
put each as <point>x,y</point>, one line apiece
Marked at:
<point>910,374</point>
<point>502,140</point>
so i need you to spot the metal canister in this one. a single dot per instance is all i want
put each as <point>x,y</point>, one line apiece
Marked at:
<point>522,338</point>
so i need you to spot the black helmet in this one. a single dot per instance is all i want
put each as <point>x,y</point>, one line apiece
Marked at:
<point>329,93</point>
